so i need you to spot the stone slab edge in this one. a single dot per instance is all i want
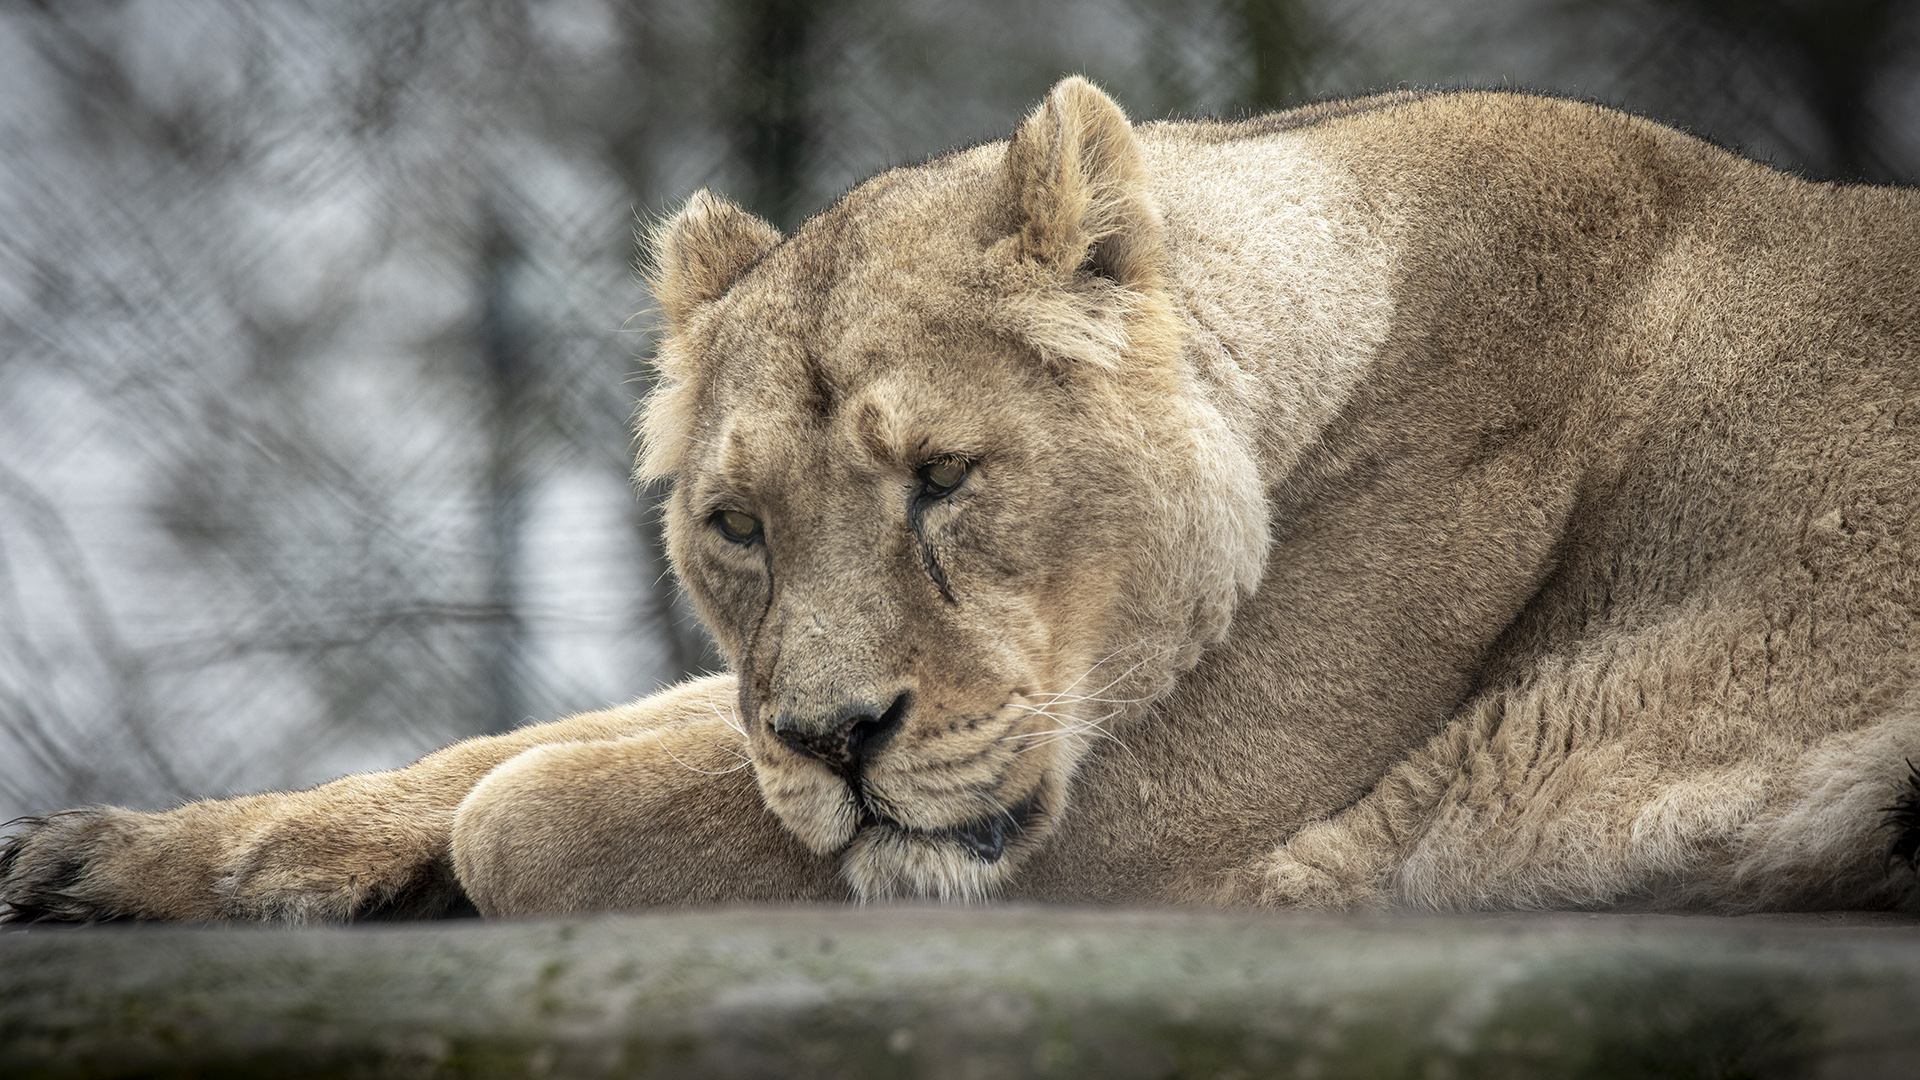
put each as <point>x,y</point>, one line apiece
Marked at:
<point>984,992</point>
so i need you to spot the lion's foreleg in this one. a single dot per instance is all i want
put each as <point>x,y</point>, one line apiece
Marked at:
<point>670,816</point>
<point>370,845</point>
<point>354,847</point>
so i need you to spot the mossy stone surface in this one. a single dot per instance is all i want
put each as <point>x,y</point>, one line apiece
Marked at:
<point>965,993</point>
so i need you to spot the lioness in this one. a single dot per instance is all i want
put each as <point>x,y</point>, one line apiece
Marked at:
<point>1437,500</point>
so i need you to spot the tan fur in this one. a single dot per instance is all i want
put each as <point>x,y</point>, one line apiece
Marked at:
<point>1450,502</point>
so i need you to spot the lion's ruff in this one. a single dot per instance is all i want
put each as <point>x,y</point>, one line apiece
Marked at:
<point>1449,501</point>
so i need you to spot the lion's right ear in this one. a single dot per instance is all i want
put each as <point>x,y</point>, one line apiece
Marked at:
<point>1078,184</point>
<point>1083,243</point>
<point>696,255</point>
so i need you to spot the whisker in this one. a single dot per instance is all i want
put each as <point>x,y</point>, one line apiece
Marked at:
<point>729,718</point>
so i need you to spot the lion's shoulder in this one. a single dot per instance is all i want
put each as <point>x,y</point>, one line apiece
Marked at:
<point>1472,132</point>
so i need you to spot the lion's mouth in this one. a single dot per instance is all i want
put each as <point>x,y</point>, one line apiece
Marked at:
<point>986,838</point>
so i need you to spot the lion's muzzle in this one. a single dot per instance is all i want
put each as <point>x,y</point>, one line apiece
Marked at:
<point>845,739</point>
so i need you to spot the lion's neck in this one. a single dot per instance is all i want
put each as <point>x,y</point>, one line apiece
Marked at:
<point>1285,279</point>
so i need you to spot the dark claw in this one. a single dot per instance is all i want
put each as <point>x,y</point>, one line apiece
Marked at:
<point>36,887</point>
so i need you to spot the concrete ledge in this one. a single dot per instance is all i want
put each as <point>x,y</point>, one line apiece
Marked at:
<point>985,992</point>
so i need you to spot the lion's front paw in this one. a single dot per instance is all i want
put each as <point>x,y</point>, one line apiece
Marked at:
<point>1284,880</point>
<point>270,858</point>
<point>49,867</point>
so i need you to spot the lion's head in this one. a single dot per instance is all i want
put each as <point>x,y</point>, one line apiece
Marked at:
<point>947,489</point>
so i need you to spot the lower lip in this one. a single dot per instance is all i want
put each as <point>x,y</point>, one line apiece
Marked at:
<point>985,840</point>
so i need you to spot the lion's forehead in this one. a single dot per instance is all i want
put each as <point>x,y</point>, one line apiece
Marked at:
<point>784,335</point>
<point>861,347</point>
<point>884,420</point>
<point>879,388</point>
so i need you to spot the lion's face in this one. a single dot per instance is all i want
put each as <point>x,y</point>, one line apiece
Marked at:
<point>947,541</point>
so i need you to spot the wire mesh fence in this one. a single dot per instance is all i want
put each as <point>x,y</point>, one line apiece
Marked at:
<point>319,336</point>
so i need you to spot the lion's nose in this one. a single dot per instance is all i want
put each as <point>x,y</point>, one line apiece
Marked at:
<point>847,738</point>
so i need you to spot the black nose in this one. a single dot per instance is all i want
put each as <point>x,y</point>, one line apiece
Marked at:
<point>845,739</point>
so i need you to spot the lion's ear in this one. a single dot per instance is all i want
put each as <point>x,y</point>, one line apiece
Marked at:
<point>1078,185</point>
<point>696,255</point>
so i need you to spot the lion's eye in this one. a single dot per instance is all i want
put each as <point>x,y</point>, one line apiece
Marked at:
<point>941,475</point>
<point>736,526</point>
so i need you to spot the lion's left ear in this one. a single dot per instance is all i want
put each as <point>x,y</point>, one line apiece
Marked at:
<point>695,256</point>
<point>1078,185</point>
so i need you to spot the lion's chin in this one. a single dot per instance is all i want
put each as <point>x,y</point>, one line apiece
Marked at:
<point>965,862</point>
<point>893,842</point>
<point>822,815</point>
<point>882,858</point>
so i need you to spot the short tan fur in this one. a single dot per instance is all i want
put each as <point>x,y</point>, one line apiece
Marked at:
<point>1446,501</point>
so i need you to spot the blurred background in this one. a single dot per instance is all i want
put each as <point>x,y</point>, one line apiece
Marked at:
<point>319,335</point>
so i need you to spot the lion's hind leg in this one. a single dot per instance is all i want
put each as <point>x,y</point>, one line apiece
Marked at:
<point>1349,861</point>
<point>1841,828</point>
<point>1570,791</point>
